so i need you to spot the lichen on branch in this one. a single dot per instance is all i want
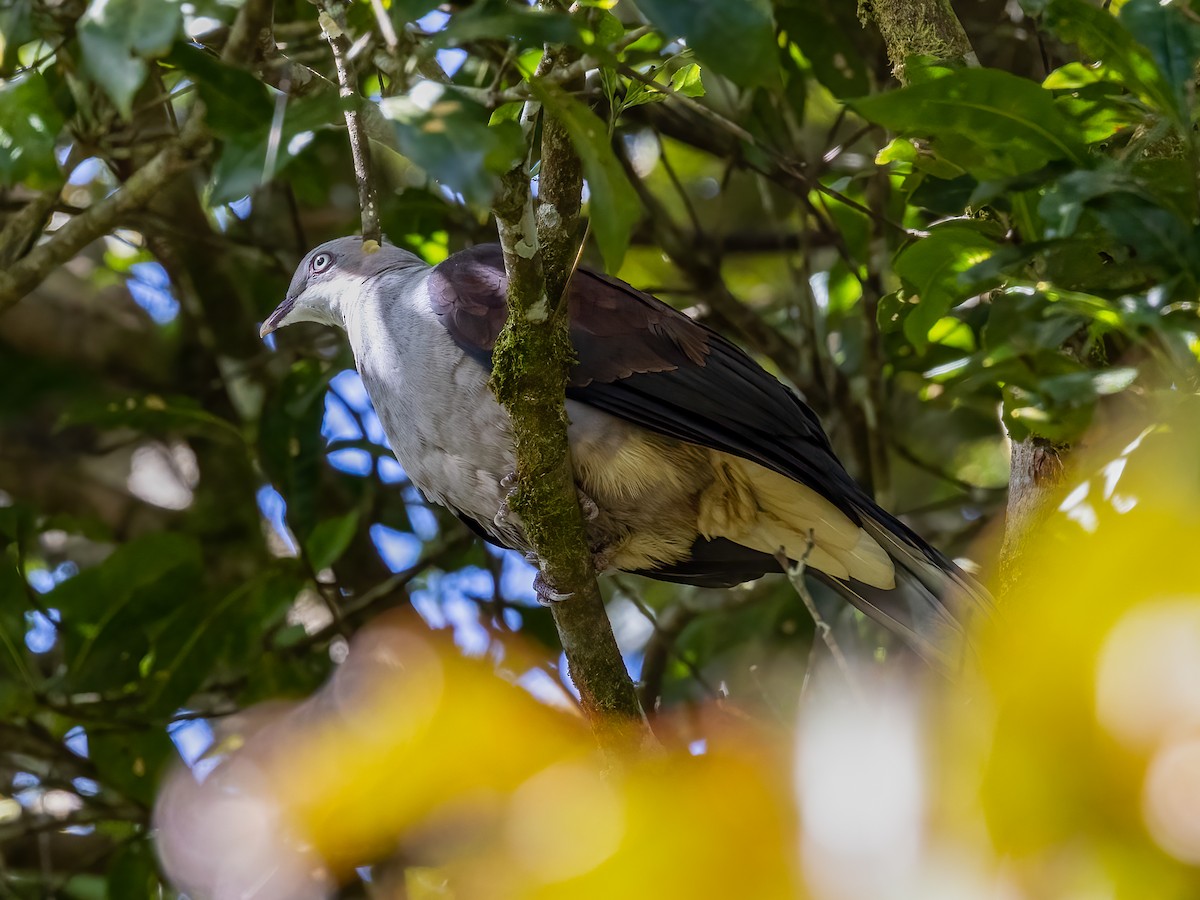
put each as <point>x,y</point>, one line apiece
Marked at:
<point>918,28</point>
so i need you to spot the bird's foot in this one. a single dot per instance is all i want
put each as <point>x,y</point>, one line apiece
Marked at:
<point>587,506</point>
<point>602,560</point>
<point>545,592</point>
<point>504,515</point>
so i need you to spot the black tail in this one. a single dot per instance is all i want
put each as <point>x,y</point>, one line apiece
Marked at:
<point>934,603</point>
<point>931,608</point>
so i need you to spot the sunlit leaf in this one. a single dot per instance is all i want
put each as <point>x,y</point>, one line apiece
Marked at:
<point>686,81</point>
<point>935,266</point>
<point>1101,36</point>
<point>988,122</point>
<point>241,167</point>
<point>1169,31</point>
<point>16,28</point>
<point>454,143</point>
<point>528,26</point>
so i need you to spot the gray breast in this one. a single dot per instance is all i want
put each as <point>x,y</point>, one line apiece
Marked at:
<point>442,422</point>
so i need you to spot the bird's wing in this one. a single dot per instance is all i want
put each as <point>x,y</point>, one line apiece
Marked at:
<point>645,362</point>
<point>642,361</point>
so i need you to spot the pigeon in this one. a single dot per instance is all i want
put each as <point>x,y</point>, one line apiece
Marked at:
<point>693,463</point>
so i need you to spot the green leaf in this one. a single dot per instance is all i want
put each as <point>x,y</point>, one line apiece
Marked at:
<point>454,144</point>
<point>607,28</point>
<point>934,266</point>
<point>686,81</point>
<point>1099,35</point>
<point>613,204</point>
<point>405,11</point>
<point>132,873</point>
<point>130,761</point>
<point>17,525</point>
<point>29,126</point>
<point>1100,110</point>
<point>12,621</point>
<point>987,122</point>
<point>736,39</point>
<point>235,102</point>
<point>919,158</point>
<point>119,36</point>
<point>529,27</point>
<point>1173,39</point>
<point>290,443</point>
<point>150,413</point>
<point>1076,75</point>
<point>1019,324</point>
<point>16,29</point>
<point>1128,212</point>
<point>825,35</point>
<point>1062,205</point>
<point>242,166</point>
<point>329,540</point>
<point>112,612</point>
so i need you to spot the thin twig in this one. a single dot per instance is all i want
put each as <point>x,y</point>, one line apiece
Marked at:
<point>385,26</point>
<point>795,574</point>
<point>666,628</point>
<point>333,23</point>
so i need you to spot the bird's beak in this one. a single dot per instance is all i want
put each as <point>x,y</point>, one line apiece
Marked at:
<point>275,319</point>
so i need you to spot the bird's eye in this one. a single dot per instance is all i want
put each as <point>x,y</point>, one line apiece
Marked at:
<point>321,262</point>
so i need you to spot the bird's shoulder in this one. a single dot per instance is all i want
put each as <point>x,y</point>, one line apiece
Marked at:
<point>616,329</point>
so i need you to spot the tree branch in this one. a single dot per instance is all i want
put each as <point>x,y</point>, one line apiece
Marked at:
<point>530,365</point>
<point>1036,470</point>
<point>333,24</point>
<point>251,35</point>
<point>27,273</point>
<point>918,28</point>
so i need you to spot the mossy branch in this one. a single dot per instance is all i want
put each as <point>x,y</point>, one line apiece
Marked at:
<point>918,28</point>
<point>531,362</point>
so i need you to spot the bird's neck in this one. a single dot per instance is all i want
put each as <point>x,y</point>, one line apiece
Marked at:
<point>400,348</point>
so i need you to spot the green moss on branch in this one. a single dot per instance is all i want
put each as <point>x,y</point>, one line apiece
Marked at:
<point>530,366</point>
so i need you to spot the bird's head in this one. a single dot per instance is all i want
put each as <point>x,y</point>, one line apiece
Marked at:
<point>332,276</point>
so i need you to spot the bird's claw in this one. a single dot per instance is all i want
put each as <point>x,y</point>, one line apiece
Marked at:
<point>504,515</point>
<point>508,484</point>
<point>546,594</point>
<point>587,506</point>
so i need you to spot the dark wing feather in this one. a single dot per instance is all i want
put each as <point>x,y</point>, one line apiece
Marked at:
<point>617,332</point>
<point>467,294</point>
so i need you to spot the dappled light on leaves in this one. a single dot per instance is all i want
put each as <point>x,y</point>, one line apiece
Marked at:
<point>982,278</point>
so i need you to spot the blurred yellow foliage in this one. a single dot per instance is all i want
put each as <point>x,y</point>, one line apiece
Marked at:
<point>1093,673</point>
<point>1067,766</point>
